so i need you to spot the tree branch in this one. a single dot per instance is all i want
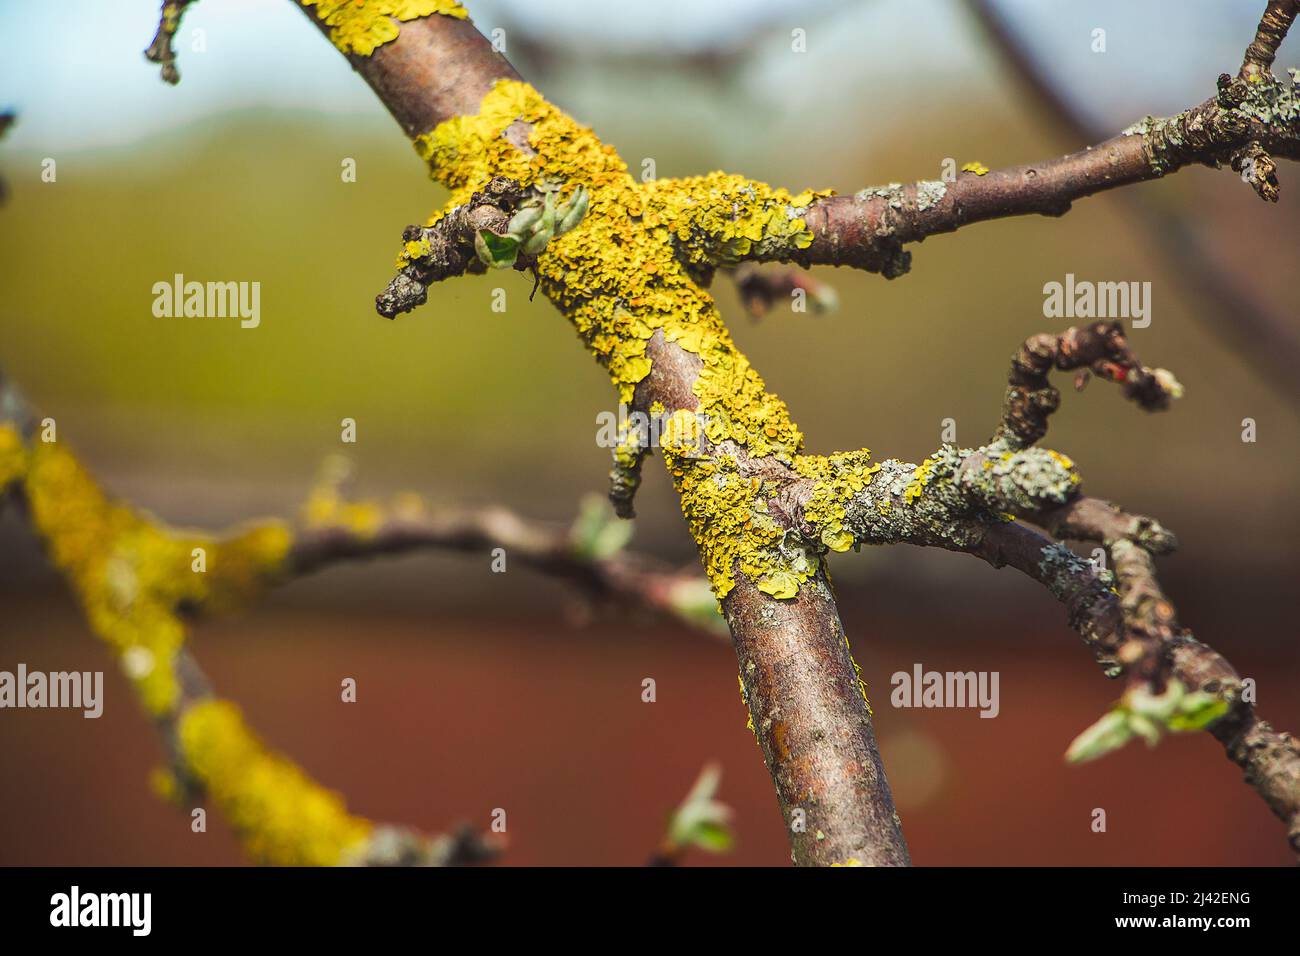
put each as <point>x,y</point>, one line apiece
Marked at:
<point>1257,330</point>
<point>138,585</point>
<point>638,309</point>
<point>762,513</point>
<point>869,229</point>
<point>1253,119</point>
<point>1273,26</point>
<point>160,50</point>
<point>965,500</point>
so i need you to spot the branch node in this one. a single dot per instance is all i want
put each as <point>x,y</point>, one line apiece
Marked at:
<point>160,50</point>
<point>1258,170</point>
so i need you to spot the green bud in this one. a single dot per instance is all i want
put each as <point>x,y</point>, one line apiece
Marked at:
<point>548,213</point>
<point>571,213</point>
<point>702,821</point>
<point>499,252</point>
<point>598,533</point>
<point>1144,727</point>
<point>1157,707</point>
<point>538,240</point>
<point>523,221</point>
<point>1198,710</point>
<point>1109,733</point>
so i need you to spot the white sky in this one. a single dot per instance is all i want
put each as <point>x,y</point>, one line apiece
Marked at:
<point>74,70</point>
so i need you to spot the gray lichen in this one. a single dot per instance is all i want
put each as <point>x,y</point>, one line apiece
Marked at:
<point>929,193</point>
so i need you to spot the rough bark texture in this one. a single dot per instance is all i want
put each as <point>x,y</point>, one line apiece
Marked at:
<point>439,68</point>
<point>812,722</point>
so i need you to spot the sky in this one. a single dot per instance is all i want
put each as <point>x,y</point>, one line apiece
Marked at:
<point>74,71</point>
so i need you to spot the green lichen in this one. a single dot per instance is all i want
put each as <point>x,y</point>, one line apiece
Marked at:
<point>1023,482</point>
<point>1271,101</point>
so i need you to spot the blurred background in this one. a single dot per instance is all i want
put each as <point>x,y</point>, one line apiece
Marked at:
<point>480,690</point>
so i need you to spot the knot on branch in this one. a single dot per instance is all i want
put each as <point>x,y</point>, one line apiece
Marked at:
<point>1100,349</point>
<point>503,226</point>
<point>161,51</point>
<point>1201,134</point>
<point>1273,26</point>
<point>625,475</point>
<point>1258,170</point>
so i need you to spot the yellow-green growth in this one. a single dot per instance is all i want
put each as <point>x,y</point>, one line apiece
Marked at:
<point>857,670</point>
<point>619,280</point>
<point>282,817</point>
<point>131,573</point>
<point>13,457</point>
<point>362,26</point>
<point>749,715</point>
<point>839,478</point>
<point>921,476</point>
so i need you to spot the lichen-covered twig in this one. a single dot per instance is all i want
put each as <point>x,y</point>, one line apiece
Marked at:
<point>1257,331</point>
<point>140,583</point>
<point>625,474</point>
<point>1253,119</point>
<point>1273,26</point>
<point>631,280</point>
<point>1269,759</point>
<point>964,500</point>
<point>433,253</point>
<point>1099,349</point>
<point>160,50</point>
<point>504,226</point>
<point>870,229</point>
<point>624,279</point>
<point>334,529</point>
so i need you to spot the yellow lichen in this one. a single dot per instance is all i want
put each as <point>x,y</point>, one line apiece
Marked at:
<point>325,507</point>
<point>838,479</point>
<point>1066,462</point>
<point>282,816</point>
<point>976,167</point>
<point>744,699</point>
<point>133,574</point>
<point>362,26</point>
<point>619,279</point>
<point>857,670</point>
<point>13,457</point>
<point>921,476</point>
